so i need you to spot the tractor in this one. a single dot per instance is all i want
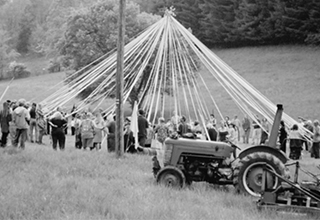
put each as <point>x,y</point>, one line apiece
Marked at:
<point>184,161</point>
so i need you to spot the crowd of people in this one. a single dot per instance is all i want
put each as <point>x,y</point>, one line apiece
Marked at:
<point>22,121</point>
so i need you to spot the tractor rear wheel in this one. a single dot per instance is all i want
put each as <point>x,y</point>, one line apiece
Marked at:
<point>248,173</point>
<point>171,177</point>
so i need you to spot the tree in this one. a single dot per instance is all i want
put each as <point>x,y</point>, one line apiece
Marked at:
<point>301,19</point>
<point>260,21</point>
<point>92,32</point>
<point>187,13</point>
<point>6,54</point>
<point>218,21</point>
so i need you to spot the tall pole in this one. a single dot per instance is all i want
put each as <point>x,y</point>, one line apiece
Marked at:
<point>119,88</point>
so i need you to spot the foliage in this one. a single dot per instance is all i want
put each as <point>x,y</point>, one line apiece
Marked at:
<point>313,39</point>
<point>92,32</point>
<point>18,70</point>
<point>218,21</point>
<point>187,12</point>
<point>95,29</point>
<point>6,53</point>
<point>54,66</point>
<point>302,19</point>
<point>259,21</point>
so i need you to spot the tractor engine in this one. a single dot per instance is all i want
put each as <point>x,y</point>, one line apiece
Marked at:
<point>204,168</point>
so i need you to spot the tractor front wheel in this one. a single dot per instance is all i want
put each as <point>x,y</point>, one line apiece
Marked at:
<point>171,176</point>
<point>248,173</point>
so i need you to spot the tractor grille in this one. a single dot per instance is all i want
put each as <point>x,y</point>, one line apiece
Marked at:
<point>167,154</point>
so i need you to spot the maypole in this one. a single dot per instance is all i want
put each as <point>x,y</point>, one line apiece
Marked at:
<point>119,81</point>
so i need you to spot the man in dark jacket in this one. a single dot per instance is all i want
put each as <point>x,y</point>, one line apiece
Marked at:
<point>143,125</point>
<point>5,118</point>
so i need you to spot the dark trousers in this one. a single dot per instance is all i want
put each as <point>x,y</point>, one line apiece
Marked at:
<point>73,131</point>
<point>4,138</point>
<point>315,150</point>
<point>142,140</point>
<point>58,137</point>
<point>111,142</point>
<point>78,141</point>
<point>21,134</point>
<point>283,145</point>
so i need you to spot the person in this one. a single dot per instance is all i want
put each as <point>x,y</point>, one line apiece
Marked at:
<point>232,135</point>
<point>316,139</point>
<point>161,130</point>
<point>77,123</point>
<point>197,129</point>
<point>5,118</point>
<point>264,133</point>
<point>222,131</point>
<point>295,142</point>
<point>175,120</point>
<point>256,134</point>
<point>143,125</point>
<point>170,126</point>
<point>227,121</point>
<point>72,125</point>
<point>283,136</point>
<point>111,135</point>
<point>246,126</point>
<point>183,127</point>
<point>212,132</point>
<point>238,126</point>
<point>20,117</point>
<point>12,125</point>
<point>99,128</point>
<point>58,124</point>
<point>41,123</point>
<point>87,131</point>
<point>128,134</point>
<point>33,122</point>
<point>213,120</point>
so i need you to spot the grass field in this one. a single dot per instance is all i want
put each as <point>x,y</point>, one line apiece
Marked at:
<point>39,183</point>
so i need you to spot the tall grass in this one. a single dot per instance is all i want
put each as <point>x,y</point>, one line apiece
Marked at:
<point>39,183</point>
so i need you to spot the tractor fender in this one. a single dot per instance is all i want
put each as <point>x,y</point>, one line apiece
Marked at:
<point>263,148</point>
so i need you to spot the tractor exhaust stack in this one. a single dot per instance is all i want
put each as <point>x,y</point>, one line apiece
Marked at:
<point>275,127</point>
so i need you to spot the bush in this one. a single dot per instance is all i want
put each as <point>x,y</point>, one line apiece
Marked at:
<point>18,70</point>
<point>313,39</point>
<point>54,66</point>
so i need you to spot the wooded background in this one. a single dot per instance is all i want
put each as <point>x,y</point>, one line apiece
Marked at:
<point>76,32</point>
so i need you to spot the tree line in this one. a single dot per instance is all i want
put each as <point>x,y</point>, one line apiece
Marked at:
<point>249,22</point>
<point>63,28</point>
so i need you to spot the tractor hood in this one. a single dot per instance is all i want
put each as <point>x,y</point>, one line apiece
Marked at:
<point>197,146</point>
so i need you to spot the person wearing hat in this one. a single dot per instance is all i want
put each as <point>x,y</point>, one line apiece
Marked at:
<point>20,117</point>
<point>143,125</point>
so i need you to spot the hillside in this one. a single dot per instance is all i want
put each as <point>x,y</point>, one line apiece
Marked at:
<point>285,74</point>
<point>39,183</point>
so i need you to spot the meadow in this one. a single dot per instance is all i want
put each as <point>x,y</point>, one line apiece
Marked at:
<point>39,183</point>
